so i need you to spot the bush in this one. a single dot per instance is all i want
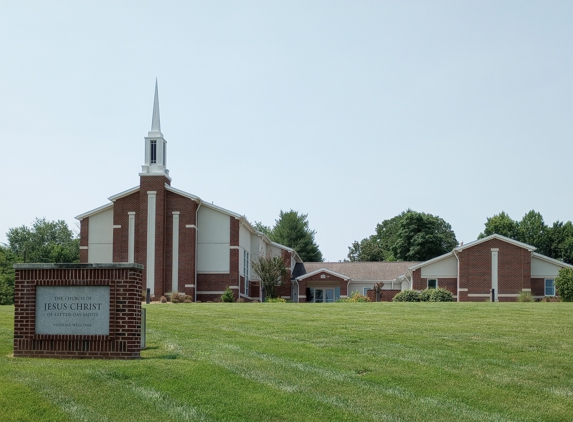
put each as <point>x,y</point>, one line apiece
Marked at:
<point>177,297</point>
<point>564,284</point>
<point>276,300</point>
<point>436,295</point>
<point>163,299</point>
<point>426,295</point>
<point>441,295</point>
<point>228,296</point>
<point>355,297</point>
<point>407,296</point>
<point>525,297</point>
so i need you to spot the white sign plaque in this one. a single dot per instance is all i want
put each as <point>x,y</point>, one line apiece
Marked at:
<point>76,310</point>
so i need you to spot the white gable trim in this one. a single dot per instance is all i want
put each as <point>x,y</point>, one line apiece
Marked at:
<point>551,260</point>
<point>431,261</point>
<point>94,211</point>
<point>123,194</point>
<point>323,270</point>
<point>498,237</point>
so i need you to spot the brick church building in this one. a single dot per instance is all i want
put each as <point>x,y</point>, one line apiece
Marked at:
<point>190,246</point>
<point>186,245</point>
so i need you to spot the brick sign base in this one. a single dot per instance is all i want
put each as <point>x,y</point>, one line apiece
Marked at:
<point>62,310</point>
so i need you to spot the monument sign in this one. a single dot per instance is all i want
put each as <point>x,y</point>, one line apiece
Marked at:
<point>78,310</point>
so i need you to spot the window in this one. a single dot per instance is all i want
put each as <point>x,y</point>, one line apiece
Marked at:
<point>246,271</point>
<point>549,287</point>
<point>153,152</point>
<point>164,154</point>
<point>365,291</point>
<point>432,283</point>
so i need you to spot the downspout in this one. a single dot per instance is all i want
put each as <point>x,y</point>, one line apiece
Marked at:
<point>297,291</point>
<point>239,259</point>
<point>458,275</point>
<point>196,245</point>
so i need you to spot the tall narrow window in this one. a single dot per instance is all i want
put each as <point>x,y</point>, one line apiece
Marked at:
<point>164,153</point>
<point>549,287</point>
<point>153,154</point>
<point>246,271</point>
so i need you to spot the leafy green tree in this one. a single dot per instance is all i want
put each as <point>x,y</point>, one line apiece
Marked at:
<point>292,229</point>
<point>271,270</point>
<point>533,231</point>
<point>262,228</point>
<point>501,224</point>
<point>7,259</point>
<point>564,284</point>
<point>378,247</point>
<point>561,241</point>
<point>422,236</point>
<point>45,241</point>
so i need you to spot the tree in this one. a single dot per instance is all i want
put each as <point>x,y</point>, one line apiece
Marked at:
<point>423,236</point>
<point>271,270</point>
<point>564,284</point>
<point>292,230</point>
<point>45,241</point>
<point>7,259</point>
<point>533,231</point>
<point>555,241</point>
<point>561,241</point>
<point>378,247</point>
<point>500,224</point>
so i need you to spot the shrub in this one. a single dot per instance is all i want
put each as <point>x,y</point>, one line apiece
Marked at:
<point>163,299</point>
<point>276,300</point>
<point>564,284</point>
<point>441,295</point>
<point>355,296</point>
<point>407,296</point>
<point>525,297</point>
<point>228,296</point>
<point>426,295</point>
<point>177,297</point>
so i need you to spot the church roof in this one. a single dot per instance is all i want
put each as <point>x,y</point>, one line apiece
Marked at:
<point>363,271</point>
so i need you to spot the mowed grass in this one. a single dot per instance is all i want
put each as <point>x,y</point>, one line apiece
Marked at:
<point>313,362</point>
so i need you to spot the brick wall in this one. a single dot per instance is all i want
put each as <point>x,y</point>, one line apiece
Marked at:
<point>123,341</point>
<point>187,209</point>
<point>514,268</point>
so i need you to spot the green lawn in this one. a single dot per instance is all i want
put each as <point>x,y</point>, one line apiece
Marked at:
<point>313,362</point>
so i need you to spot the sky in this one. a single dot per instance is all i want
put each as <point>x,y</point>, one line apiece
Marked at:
<point>348,111</point>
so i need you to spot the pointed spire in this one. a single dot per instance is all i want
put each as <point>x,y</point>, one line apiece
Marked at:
<point>155,123</point>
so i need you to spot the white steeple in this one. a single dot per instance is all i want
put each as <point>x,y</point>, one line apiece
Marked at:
<point>155,145</point>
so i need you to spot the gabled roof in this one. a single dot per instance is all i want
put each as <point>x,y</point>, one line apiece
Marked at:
<point>431,261</point>
<point>498,237</point>
<point>551,260</point>
<point>323,270</point>
<point>123,194</point>
<point>94,211</point>
<point>364,271</point>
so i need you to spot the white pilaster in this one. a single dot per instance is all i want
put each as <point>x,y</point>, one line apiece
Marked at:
<point>151,207</point>
<point>131,237</point>
<point>175,254</point>
<point>494,271</point>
